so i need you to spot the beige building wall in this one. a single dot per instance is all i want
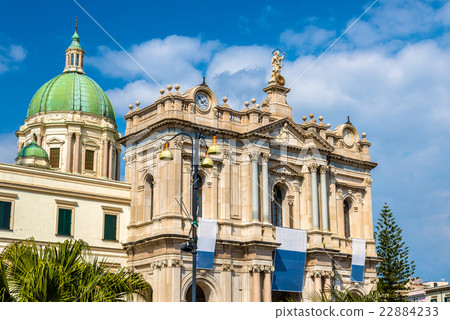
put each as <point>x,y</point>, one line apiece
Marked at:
<point>36,194</point>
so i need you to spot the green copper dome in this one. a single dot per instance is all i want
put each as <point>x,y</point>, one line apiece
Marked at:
<point>71,91</point>
<point>32,150</point>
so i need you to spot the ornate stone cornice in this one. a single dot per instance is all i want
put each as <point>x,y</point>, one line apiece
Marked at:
<point>364,164</point>
<point>350,187</point>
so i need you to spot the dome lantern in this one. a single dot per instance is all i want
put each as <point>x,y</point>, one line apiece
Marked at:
<point>74,55</point>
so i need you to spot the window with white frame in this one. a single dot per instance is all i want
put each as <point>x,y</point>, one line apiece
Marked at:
<point>65,217</point>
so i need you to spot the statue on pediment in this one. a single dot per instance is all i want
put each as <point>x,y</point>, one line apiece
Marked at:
<point>276,67</point>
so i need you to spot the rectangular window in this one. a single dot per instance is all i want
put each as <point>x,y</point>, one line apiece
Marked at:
<point>5,215</point>
<point>64,222</point>
<point>89,160</point>
<point>434,299</point>
<point>110,228</point>
<point>447,299</point>
<point>54,157</point>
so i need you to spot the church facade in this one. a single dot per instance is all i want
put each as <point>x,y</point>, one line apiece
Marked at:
<point>272,172</point>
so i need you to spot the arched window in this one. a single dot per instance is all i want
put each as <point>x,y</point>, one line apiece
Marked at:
<point>199,196</point>
<point>347,219</point>
<point>277,207</point>
<point>71,59</point>
<point>148,198</point>
<point>78,59</point>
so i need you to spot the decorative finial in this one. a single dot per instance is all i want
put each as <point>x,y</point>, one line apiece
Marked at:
<point>304,118</point>
<point>348,120</point>
<point>225,99</point>
<point>130,106</point>
<point>76,23</point>
<point>137,103</point>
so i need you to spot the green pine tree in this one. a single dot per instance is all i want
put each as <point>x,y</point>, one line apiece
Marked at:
<point>395,269</point>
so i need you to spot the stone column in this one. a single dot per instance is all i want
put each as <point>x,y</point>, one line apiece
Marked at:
<point>118,165</point>
<point>215,189</point>
<point>290,200</point>
<point>105,159</point>
<point>256,284</point>
<point>265,188</point>
<point>110,159</point>
<point>267,287</point>
<point>324,198</point>
<point>69,152</point>
<point>317,281</point>
<point>225,199</point>
<point>255,187</point>
<point>76,162</point>
<point>226,282</point>
<point>340,212</point>
<point>314,196</point>
<point>368,209</point>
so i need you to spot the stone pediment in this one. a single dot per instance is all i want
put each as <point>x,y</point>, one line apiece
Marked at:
<point>285,170</point>
<point>288,133</point>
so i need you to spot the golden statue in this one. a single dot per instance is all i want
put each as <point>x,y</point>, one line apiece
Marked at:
<point>276,67</point>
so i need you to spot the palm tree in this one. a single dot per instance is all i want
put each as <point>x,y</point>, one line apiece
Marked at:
<point>62,272</point>
<point>332,294</point>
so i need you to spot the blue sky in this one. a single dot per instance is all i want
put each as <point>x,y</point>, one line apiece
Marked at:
<point>389,73</point>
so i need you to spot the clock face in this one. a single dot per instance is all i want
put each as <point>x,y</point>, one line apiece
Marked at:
<point>202,101</point>
<point>348,137</point>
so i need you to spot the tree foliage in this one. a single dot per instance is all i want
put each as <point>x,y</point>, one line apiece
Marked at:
<point>333,294</point>
<point>395,268</point>
<point>62,272</point>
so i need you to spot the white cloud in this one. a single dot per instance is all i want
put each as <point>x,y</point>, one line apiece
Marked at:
<point>168,60</point>
<point>10,56</point>
<point>308,40</point>
<point>17,53</point>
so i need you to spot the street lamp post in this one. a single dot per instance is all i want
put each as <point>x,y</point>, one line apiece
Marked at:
<point>167,155</point>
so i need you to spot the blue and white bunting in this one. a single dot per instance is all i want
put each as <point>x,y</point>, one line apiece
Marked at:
<point>206,244</point>
<point>289,260</point>
<point>358,260</point>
